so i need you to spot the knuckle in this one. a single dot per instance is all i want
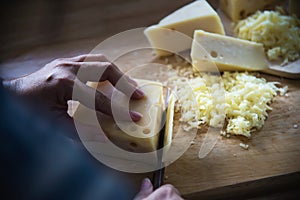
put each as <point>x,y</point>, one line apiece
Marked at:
<point>169,189</point>
<point>58,63</point>
<point>65,80</point>
<point>58,60</point>
<point>109,65</point>
<point>61,62</point>
<point>101,56</point>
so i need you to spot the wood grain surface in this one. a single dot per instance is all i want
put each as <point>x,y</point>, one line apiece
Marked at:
<point>274,150</point>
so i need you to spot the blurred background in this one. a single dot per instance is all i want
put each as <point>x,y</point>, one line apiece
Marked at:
<point>28,24</point>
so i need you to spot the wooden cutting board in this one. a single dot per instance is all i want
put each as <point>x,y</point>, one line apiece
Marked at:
<point>274,150</point>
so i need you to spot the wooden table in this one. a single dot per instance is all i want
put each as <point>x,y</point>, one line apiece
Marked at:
<point>271,165</point>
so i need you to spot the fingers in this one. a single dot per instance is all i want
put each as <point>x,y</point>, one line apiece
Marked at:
<point>95,100</point>
<point>96,67</point>
<point>168,192</point>
<point>87,58</point>
<point>101,71</point>
<point>145,191</point>
<point>122,82</point>
<point>165,192</point>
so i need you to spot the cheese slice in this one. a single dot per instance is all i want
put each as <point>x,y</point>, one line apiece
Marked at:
<point>240,9</point>
<point>227,53</point>
<point>164,37</point>
<point>169,121</point>
<point>138,137</point>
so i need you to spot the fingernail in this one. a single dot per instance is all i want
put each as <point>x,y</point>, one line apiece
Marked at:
<point>138,94</point>
<point>135,116</point>
<point>146,184</point>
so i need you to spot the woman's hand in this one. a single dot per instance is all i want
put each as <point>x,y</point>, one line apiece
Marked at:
<point>53,84</point>
<point>168,192</point>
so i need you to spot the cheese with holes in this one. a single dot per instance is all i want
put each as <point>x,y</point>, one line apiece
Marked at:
<point>141,136</point>
<point>240,9</point>
<point>174,32</point>
<point>212,52</point>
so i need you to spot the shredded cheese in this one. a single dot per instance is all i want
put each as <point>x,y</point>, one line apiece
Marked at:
<point>279,33</point>
<point>241,99</point>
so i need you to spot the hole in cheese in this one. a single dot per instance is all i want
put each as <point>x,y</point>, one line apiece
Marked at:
<point>214,54</point>
<point>133,144</point>
<point>146,131</point>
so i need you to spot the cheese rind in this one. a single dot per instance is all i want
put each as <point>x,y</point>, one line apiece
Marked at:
<point>240,9</point>
<point>138,137</point>
<point>227,53</point>
<point>196,15</point>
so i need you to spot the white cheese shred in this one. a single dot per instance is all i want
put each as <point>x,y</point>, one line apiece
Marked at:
<point>244,146</point>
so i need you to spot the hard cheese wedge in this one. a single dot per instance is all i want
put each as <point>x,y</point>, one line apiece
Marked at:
<point>164,37</point>
<point>227,53</point>
<point>137,137</point>
<point>240,9</point>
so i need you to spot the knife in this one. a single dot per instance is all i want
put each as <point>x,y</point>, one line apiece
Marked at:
<point>158,175</point>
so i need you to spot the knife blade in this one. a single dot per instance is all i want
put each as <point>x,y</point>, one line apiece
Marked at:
<point>158,175</point>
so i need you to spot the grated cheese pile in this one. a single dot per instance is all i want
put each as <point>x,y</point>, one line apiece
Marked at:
<point>280,34</point>
<point>240,98</point>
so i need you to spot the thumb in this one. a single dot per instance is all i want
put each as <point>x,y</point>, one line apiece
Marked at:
<point>146,189</point>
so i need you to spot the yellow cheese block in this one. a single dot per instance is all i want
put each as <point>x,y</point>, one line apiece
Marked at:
<point>164,37</point>
<point>141,136</point>
<point>227,53</point>
<point>240,9</point>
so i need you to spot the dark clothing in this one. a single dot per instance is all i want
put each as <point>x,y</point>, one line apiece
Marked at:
<point>38,162</point>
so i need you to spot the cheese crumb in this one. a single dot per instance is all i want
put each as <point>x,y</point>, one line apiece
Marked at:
<point>279,33</point>
<point>223,133</point>
<point>244,146</point>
